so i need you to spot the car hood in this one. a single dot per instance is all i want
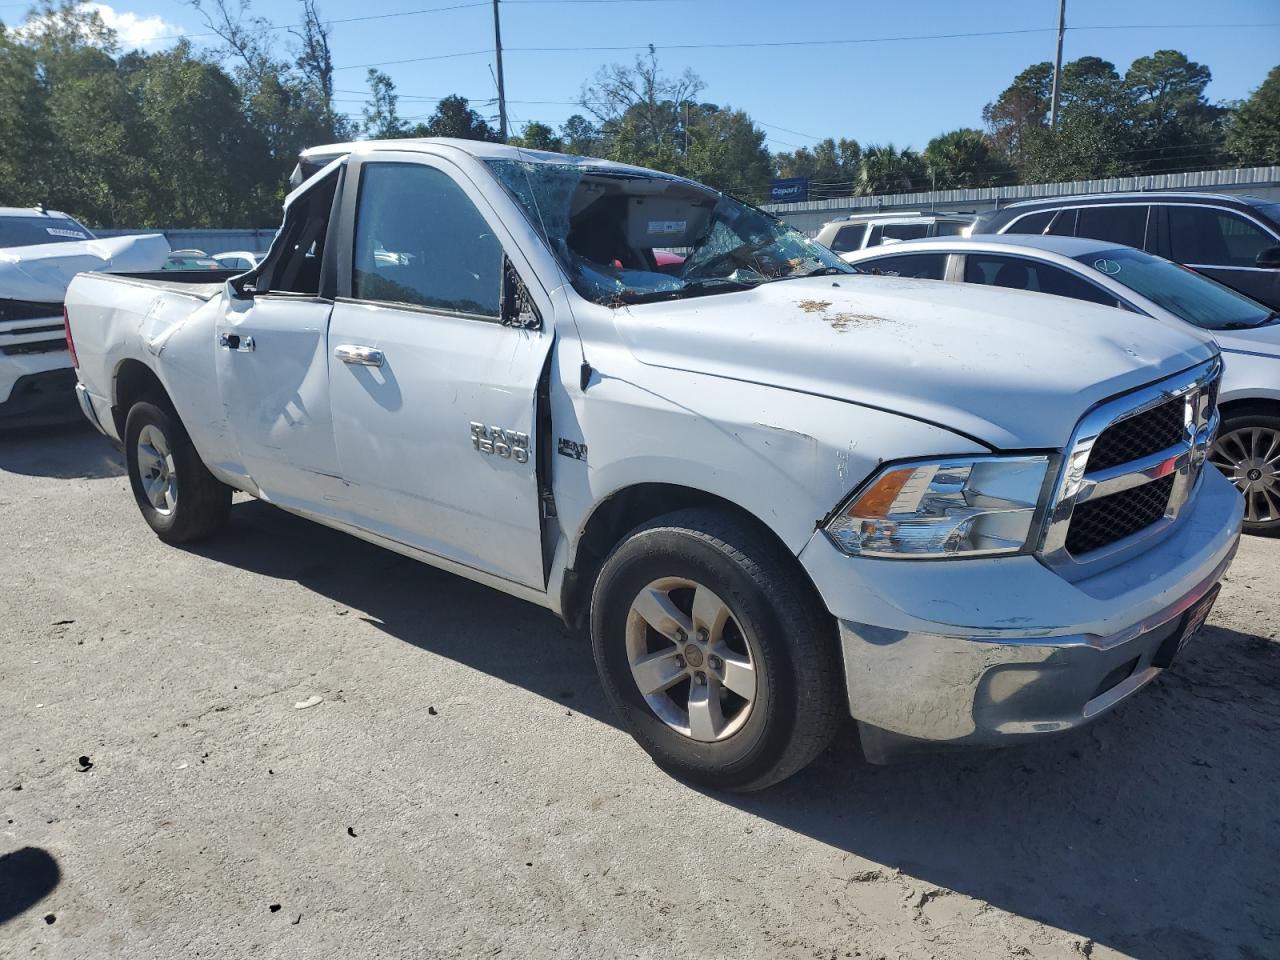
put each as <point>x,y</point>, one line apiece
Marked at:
<point>42,272</point>
<point>1264,340</point>
<point>1015,370</point>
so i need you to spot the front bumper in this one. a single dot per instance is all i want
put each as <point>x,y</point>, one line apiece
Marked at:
<point>39,398</point>
<point>982,652</point>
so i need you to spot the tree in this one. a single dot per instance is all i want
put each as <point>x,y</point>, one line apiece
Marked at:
<point>831,166</point>
<point>537,136</point>
<point>1019,112</point>
<point>454,117</point>
<point>886,169</point>
<point>961,159</point>
<point>381,121</point>
<point>726,151</point>
<point>1253,133</point>
<point>1175,127</point>
<point>646,102</point>
<point>580,136</point>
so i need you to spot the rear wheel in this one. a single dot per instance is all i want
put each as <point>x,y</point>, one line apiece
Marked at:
<point>1247,451</point>
<point>713,651</point>
<point>178,496</point>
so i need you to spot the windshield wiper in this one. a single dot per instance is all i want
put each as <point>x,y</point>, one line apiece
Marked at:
<point>1271,317</point>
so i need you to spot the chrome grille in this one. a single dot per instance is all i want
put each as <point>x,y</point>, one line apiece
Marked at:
<point>1140,436</point>
<point>1108,519</point>
<point>1131,466</point>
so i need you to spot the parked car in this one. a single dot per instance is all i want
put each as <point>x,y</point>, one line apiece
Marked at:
<point>238,260</point>
<point>40,250</point>
<point>773,492</point>
<point>1247,448</point>
<point>192,260</point>
<point>861,230</point>
<point>1232,239</point>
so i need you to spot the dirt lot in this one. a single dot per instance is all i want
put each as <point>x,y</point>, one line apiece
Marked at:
<point>461,790</point>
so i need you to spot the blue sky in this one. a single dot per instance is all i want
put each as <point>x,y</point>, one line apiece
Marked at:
<point>902,92</point>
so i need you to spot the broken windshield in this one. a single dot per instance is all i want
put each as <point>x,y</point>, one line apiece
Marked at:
<point>629,236</point>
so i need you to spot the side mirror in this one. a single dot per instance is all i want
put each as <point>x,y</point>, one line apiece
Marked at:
<point>1268,258</point>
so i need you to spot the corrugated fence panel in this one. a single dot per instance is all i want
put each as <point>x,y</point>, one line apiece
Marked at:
<point>210,241</point>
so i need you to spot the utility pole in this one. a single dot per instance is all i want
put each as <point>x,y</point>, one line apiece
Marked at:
<point>502,94</point>
<point>1057,61</point>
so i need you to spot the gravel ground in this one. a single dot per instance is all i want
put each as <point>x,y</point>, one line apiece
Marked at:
<point>460,789</point>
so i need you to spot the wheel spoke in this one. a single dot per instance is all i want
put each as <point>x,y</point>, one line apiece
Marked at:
<point>154,490</point>
<point>705,718</point>
<point>1273,448</point>
<point>148,460</point>
<point>170,494</point>
<point>709,613</point>
<point>659,612</point>
<point>739,675</point>
<point>657,672</point>
<point>1251,505</point>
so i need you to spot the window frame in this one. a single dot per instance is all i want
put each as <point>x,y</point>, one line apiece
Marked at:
<point>1163,245</point>
<point>246,284</point>
<point>961,268</point>
<point>345,264</point>
<point>948,257</point>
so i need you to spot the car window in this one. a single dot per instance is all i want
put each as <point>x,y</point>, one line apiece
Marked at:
<point>949,228</point>
<point>1115,223</point>
<point>1214,238</point>
<point>849,238</point>
<point>1064,224</point>
<point>420,240</point>
<point>922,266</point>
<point>1031,223</point>
<point>1020,273</point>
<point>35,230</point>
<point>894,232</point>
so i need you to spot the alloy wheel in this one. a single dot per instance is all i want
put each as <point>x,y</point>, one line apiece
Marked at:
<point>1250,458</point>
<point>157,471</point>
<point>693,662</point>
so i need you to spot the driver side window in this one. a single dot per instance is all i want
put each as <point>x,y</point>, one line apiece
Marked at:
<point>419,240</point>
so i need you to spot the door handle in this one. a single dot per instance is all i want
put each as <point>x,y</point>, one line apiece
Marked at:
<point>233,341</point>
<point>364,356</point>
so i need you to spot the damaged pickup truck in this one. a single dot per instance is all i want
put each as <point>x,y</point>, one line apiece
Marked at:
<point>40,251</point>
<point>775,493</point>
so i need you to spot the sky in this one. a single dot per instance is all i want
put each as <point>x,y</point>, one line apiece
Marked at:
<point>790,66</point>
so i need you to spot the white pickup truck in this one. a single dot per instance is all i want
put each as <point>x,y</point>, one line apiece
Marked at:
<point>773,492</point>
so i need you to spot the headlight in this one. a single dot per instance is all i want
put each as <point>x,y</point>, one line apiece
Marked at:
<point>944,508</point>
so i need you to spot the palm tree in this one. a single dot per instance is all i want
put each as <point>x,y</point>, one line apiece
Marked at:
<point>961,158</point>
<point>886,169</point>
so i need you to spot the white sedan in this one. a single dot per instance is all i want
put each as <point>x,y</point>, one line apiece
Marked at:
<point>1248,445</point>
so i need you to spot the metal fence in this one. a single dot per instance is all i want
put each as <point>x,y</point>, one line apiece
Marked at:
<point>809,216</point>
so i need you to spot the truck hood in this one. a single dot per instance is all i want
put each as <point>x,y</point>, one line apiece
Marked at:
<point>42,272</point>
<point>1015,370</point>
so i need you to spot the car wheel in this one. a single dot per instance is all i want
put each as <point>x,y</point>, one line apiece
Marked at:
<point>1247,450</point>
<point>715,652</point>
<point>178,496</point>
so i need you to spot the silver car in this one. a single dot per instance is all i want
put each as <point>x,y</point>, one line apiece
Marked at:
<point>1248,446</point>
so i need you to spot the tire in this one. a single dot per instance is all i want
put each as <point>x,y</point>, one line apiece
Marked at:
<point>729,729</point>
<point>178,496</point>
<point>1247,451</point>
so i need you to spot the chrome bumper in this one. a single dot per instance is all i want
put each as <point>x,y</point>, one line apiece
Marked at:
<point>994,671</point>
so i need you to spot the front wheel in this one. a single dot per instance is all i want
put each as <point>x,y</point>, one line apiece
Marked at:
<point>178,496</point>
<point>1247,450</point>
<point>713,651</point>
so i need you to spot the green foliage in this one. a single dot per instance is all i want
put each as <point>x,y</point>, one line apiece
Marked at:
<point>962,159</point>
<point>886,169</point>
<point>537,136</point>
<point>1253,134</point>
<point>454,117</point>
<point>381,121</point>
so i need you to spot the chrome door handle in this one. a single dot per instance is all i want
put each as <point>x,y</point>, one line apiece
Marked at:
<point>365,356</point>
<point>233,341</point>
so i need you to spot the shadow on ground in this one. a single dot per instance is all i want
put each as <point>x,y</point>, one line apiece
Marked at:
<point>27,876</point>
<point>1145,832</point>
<point>71,451</point>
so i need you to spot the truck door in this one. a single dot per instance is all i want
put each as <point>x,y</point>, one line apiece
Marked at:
<point>433,394</point>
<point>272,365</point>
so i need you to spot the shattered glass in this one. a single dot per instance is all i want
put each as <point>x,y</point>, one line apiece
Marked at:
<point>587,212</point>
